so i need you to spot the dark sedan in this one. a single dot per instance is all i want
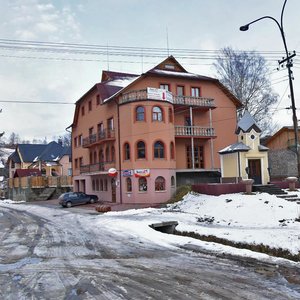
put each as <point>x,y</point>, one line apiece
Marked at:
<point>76,198</point>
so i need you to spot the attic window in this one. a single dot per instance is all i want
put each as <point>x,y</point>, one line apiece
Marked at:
<point>252,136</point>
<point>170,67</point>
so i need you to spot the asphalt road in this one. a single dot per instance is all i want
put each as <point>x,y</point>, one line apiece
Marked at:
<point>51,253</point>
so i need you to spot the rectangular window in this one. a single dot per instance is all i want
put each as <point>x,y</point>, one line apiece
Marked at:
<point>90,105</point>
<point>75,142</point>
<point>164,86</point>
<point>91,130</point>
<point>98,99</point>
<point>180,90</point>
<point>82,110</point>
<point>110,124</point>
<point>80,161</point>
<point>195,92</point>
<point>76,163</point>
<point>80,140</point>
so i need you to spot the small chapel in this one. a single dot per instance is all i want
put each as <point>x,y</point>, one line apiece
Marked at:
<point>246,159</point>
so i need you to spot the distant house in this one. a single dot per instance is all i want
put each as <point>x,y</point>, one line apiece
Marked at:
<point>282,155</point>
<point>49,159</point>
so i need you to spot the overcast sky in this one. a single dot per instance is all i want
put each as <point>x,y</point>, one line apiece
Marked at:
<point>44,76</point>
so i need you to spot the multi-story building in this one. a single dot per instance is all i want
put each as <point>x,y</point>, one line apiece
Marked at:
<point>135,137</point>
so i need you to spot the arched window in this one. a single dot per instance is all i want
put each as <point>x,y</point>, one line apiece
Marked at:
<point>160,184</point>
<point>101,156</point>
<point>159,150</point>
<point>128,184</point>
<point>157,114</point>
<point>172,181</point>
<point>142,184</point>
<point>113,153</point>
<point>140,113</point>
<point>170,115</point>
<point>107,158</point>
<point>141,150</point>
<point>126,151</point>
<point>172,150</point>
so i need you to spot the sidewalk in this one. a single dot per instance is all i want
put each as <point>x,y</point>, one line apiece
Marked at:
<point>91,207</point>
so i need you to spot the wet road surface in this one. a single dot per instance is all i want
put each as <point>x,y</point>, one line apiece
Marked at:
<point>51,253</point>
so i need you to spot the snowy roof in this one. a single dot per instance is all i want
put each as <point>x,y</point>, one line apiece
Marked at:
<point>246,123</point>
<point>262,148</point>
<point>179,74</point>
<point>237,147</point>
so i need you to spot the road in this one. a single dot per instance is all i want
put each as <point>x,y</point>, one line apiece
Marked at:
<point>52,253</point>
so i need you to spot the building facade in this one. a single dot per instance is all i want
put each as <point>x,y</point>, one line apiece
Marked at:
<point>135,137</point>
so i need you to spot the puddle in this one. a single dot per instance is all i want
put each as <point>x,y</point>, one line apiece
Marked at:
<point>19,264</point>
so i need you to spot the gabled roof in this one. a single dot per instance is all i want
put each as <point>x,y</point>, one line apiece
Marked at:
<point>110,75</point>
<point>237,147</point>
<point>27,172</point>
<point>36,152</point>
<point>28,152</point>
<point>280,131</point>
<point>247,123</point>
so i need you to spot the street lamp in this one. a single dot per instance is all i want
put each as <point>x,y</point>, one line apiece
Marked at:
<point>289,64</point>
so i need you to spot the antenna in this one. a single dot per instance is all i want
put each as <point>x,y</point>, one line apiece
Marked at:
<point>167,41</point>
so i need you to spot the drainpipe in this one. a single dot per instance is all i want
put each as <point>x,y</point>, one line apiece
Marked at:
<point>192,139</point>
<point>212,162</point>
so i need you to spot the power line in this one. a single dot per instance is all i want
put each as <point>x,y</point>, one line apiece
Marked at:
<point>34,102</point>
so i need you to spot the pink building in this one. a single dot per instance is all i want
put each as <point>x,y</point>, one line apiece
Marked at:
<point>157,130</point>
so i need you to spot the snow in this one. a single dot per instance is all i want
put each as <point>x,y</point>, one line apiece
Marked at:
<point>254,219</point>
<point>122,82</point>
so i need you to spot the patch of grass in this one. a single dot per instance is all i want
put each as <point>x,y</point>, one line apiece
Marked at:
<point>180,192</point>
<point>278,252</point>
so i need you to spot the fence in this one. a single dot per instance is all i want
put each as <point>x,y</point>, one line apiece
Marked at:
<point>40,182</point>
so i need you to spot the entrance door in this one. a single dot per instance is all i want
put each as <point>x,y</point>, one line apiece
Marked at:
<point>113,190</point>
<point>255,170</point>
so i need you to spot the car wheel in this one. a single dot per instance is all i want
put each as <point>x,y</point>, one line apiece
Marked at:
<point>69,204</point>
<point>92,201</point>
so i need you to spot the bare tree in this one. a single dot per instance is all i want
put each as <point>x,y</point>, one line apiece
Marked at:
<point>245,74</point>
<point>13,139</point>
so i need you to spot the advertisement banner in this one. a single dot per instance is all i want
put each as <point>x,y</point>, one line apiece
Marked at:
<point>142,172</point>
<point>159,94</point>
<point>127,173</point>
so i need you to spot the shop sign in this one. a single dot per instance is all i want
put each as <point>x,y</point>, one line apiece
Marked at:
<point>142,172</point>
<point>159,94</point>
<point>127,173</point>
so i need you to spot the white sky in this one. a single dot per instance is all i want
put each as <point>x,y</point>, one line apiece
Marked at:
<point>196,24</point>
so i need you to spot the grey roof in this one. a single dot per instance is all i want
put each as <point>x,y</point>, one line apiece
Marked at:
<point>44,152</point>
<point>246,123</point>
<point>262,148</point>
<point>237,147</point>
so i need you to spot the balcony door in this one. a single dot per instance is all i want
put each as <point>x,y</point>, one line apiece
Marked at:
<point>198,157</point>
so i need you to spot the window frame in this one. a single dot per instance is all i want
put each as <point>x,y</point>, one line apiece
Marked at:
<point>144,188</point>
<point>160,186</point>
<point>156,114</point>
<point>126,151</point>
<point>137,114</point>
<point>163,85</point>
<point>161,153</point>
<point>128,183</point>
<point>137,150</point>
<point>194,88</point>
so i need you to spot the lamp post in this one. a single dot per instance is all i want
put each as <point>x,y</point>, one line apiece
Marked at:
<point>289,63</point>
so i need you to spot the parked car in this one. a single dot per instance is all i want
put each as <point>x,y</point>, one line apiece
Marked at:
<point>76,198</point>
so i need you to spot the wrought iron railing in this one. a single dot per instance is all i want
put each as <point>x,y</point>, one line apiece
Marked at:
<point>98,137</point>
<point>100,166</point>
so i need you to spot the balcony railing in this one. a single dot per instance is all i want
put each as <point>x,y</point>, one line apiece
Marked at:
<point>176,100</point>
<point>98,167</point>
<point>98,137</point>
<point>194,101</point>
<point>194,131</point>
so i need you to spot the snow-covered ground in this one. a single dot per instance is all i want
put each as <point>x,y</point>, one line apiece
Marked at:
<point>253,219</point>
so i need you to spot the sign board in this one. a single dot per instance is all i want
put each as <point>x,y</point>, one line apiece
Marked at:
<point>127,173</point>
<point>159,94</point>
<point>142,172</point>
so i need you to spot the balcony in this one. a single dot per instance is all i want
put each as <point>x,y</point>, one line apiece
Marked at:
<point>162,95</point>
<point>97,138</point>
<point>194,131</point>
<point>98,167</point>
